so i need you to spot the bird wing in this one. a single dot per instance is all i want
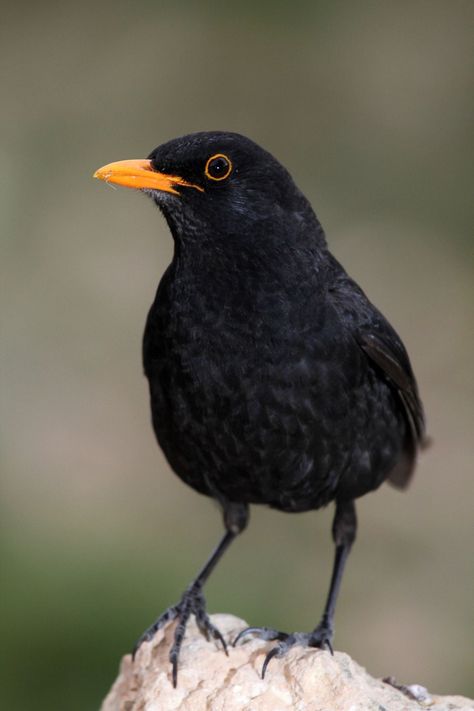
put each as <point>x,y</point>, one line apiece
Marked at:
<point>394,363</point>
<point>386,352</point>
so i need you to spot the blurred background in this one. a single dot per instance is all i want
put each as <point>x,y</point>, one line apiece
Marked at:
<point>369,106</point>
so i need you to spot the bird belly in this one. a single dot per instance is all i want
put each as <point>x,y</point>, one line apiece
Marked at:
<point>282,422</point>
<point>256,435</point>
<point>244,451</point>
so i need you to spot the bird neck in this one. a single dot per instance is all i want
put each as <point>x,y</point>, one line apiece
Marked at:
<point>244,279</point>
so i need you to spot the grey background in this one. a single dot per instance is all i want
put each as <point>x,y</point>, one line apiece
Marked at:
<point>368,105</point>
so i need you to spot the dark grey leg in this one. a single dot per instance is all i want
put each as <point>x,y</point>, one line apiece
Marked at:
<point>343,532</point>
<point>193,601</point>
<point>344,529</point>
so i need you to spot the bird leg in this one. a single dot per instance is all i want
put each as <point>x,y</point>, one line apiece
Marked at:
<point>193,602</point>
<point>343,532</point>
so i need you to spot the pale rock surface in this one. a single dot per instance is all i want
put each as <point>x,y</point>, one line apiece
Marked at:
<point>303,680</point>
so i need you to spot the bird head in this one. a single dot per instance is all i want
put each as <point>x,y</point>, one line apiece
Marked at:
<point>216,184</point>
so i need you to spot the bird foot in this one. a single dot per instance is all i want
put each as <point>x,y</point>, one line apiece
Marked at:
<point>320,637</point>
<point>192,603</point>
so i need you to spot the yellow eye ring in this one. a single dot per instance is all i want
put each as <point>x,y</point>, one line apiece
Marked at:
<point>218,167</point>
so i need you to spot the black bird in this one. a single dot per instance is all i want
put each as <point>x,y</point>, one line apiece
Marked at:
<point>273,379</point>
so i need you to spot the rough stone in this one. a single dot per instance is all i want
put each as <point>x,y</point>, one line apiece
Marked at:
<point>302,680</point>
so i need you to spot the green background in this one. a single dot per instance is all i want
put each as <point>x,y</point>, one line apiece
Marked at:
<point>368,105</point>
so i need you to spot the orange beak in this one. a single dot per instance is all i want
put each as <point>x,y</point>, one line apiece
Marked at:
<point>140,174</point>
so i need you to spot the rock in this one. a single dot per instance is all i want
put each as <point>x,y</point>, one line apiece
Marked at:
<point>302,680</point>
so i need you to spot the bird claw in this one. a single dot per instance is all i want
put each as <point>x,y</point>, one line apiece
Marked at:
<point>192,603</point>
<point>168,616</point>
<point>268,634</point>
<point>208,629</point>
<point>320,637</point>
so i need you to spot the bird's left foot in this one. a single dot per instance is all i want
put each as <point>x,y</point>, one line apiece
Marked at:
<point>320,637</point>
<point>191,603</point>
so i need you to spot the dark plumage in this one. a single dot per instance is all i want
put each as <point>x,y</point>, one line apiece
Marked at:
<point>273,379</point>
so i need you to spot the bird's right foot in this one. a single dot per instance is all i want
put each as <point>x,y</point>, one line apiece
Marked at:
<point>320,637</point>
<point>192,603</point>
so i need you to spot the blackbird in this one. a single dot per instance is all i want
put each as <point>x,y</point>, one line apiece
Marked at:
<point>273,379</point>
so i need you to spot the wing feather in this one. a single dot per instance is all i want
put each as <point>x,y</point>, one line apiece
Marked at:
<point>390,356</point>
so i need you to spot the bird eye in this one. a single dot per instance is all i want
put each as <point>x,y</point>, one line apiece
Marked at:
<point>218,167</point>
